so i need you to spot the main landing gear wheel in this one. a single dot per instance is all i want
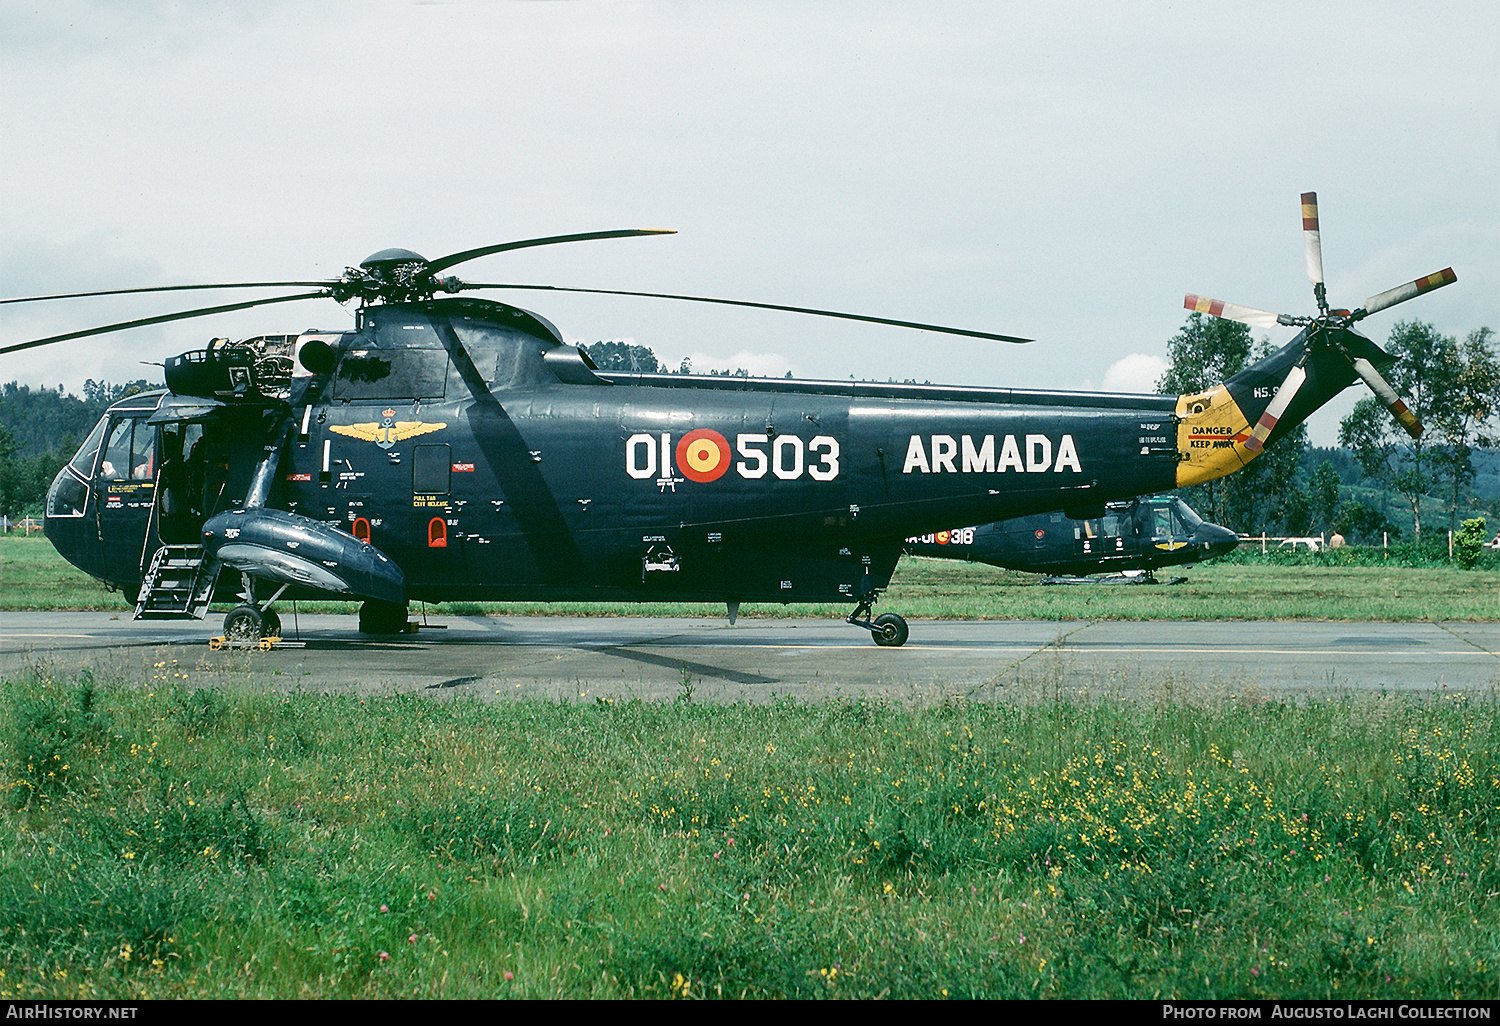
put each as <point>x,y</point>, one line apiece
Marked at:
<point>890,630</point>
<point>376,617</point>
<point>244,624</point>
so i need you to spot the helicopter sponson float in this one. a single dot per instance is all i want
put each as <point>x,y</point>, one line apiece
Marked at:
<point>451,448</point>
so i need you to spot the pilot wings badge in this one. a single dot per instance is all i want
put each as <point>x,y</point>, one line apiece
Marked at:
<point>388,432</point>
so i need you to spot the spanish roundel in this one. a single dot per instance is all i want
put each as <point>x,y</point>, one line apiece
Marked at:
<point>703,455</point>
<point>942,537</point>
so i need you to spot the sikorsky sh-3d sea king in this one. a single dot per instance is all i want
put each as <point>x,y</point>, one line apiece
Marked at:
<point>1135,536</point>
<point>452,448</point>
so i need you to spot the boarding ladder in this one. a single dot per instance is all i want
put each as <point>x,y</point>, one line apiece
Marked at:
<point>178,585</point>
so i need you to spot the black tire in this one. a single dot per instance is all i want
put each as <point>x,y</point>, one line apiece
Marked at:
<point>244,624</point>
<point>270,624</point>
<point>890,631</point>
<point>376,617</point>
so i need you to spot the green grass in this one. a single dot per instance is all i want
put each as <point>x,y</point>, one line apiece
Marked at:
<point>160,842</point>
<point>1351,585</point>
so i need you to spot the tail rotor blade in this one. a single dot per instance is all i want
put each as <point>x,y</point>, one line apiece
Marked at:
<point>1279,402</point>
<point>1402,293</point>
<point>1312,247</point>
<point>1234,312</point>
<point>1387,395</point>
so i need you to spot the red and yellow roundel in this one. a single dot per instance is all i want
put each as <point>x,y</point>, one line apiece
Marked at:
<point>703,455</point>
<point>942,537</point>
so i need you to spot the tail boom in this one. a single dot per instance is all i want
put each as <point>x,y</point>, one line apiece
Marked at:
<point>1224,428</point>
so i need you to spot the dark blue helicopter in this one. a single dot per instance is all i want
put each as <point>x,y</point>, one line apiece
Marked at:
<point>1135,535</point>
<point>455,448</point>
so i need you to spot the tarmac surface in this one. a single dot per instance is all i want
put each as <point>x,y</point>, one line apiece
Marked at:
<point>665,658</point>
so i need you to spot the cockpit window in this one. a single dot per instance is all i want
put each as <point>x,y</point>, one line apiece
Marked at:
<point>83,462</point>
<point>68,496</point>
<point>1166,523</point>
<point>1186,515</point>
<point>130,453</point>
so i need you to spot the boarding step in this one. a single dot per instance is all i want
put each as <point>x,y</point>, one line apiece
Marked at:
<point>177,586</point>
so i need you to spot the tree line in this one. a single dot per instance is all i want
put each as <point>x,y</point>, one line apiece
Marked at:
<point>623,356</point>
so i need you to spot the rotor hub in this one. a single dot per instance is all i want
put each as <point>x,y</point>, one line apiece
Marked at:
<point>392,257</point>
<point>391,276</point>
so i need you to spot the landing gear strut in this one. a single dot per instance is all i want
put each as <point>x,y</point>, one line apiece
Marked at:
<point>888,630</point>
<point>250,621</point>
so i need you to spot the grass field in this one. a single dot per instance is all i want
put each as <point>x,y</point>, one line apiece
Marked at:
<point>1249,587</point>
<point>160,842</point>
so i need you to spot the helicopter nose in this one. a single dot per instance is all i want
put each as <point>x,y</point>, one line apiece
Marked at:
<point>1214,540</point>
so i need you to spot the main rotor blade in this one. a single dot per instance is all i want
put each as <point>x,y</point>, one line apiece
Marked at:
<point>1234,312</point>
<point>443,263</point>
<point>160,319</point>
<point>763,306</point>
<point>1402,293</point>
<point>175,288</point>
<point>1387,395</point>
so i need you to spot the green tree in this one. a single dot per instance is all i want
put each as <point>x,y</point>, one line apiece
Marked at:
<point>1267,494</point>
<point>1466,419</point>
<point>622,356</point>
<point>9,500</point>
<point>1324,492</point>
<point>1468,543</point>
<point>1451,389</point>
<point>1363,524</point>
<point>1206,351</point>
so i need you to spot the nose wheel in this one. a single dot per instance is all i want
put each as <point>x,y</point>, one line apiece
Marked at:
<point>250,621</point>
<point>243,625</point>
<point>888,630</point>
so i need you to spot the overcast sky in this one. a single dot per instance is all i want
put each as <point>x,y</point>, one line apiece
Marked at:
<point>1061,172</point>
